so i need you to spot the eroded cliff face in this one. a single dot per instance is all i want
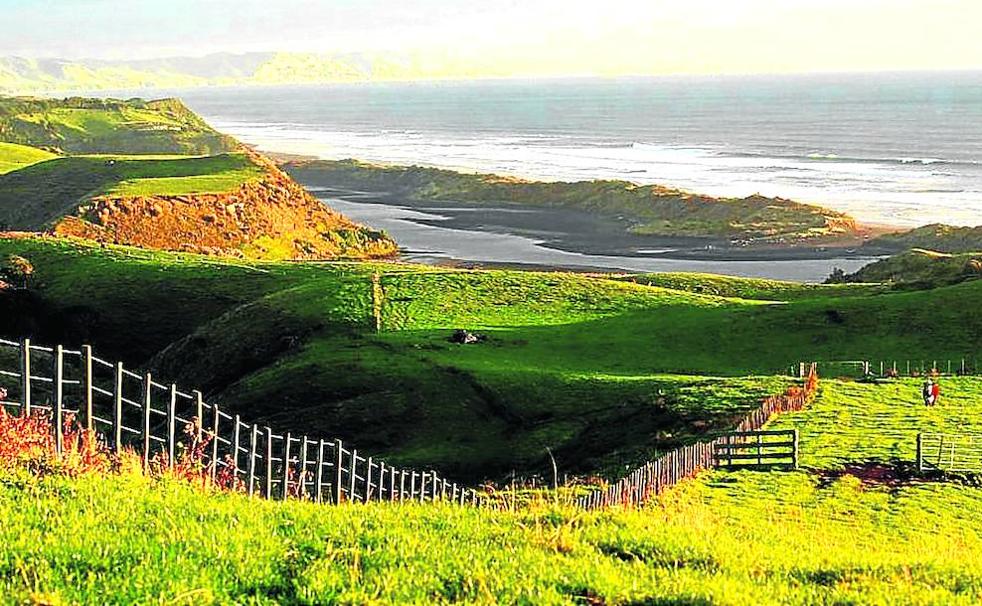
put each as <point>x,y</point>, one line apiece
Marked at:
<point>272,217</point>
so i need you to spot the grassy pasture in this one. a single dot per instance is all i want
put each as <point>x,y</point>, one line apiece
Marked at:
<point>34,196</point>
<point>726,538</point>
<point>14,157</point>
<point>862,423</point>
<point>79,126</point>
<point>604,372</point>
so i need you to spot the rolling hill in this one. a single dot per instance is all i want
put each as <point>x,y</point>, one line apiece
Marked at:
<point>14,157</point>
<point>922,268</point>
<point>939,237</point>
<point>109,126</point>
<point>602,371</point>
<point>20,75</point>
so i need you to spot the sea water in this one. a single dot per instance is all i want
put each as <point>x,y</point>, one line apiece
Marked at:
<point>900,149</point>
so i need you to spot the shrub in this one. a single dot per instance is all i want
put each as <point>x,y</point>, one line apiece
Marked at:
<point>17,269</point>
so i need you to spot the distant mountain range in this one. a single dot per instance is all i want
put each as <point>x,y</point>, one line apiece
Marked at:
<point>20,75</point>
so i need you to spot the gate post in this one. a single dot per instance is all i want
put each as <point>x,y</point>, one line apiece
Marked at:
<point>920,453</point>
<point>794,452</point>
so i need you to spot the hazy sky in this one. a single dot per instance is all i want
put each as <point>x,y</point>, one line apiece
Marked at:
<point>521,37</point>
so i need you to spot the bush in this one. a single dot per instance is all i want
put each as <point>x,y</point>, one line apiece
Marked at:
<point>17,269</point>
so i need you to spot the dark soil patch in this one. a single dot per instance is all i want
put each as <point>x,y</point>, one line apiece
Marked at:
<point>875,473</point>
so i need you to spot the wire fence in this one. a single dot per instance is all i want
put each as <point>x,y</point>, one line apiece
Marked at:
<point>130,410</point>
<point>895,368</point>
<point>655,476</point>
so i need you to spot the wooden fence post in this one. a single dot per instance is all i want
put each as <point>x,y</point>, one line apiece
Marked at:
<point>269,463</point>
<point>145,424</point>
<point>402,485</point>
<point>199,405</point>
<point>216,418</point>
<point>118,409</point>
<point>172,427</point>
<point>381,481</point>
<point>253,443</point>
<point>286,466</point>
<point>319,487</point>
<point>58,391</point>
<point>377,298</point>
<point>338,467</point>
<point>794,449</point>
<point>87,385</point>
<point>920,453</point>
<point>236,438</point>
<point>392,483</point>
<point>25,376</point>
<point>302,477</point>
<point>353,476</point>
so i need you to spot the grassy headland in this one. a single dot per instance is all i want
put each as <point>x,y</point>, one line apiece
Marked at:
<point>153,174</point>
<point>918,268</point>
<point>84,126</point>
<point>939,237</point>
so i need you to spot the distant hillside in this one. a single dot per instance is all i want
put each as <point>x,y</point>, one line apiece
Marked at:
<point>923,268</point>
<point>647,210</point>
<point>109,126</point>
<point>942,238</point>
<point>23,75</point>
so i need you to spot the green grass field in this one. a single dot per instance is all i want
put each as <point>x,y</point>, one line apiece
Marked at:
<point>181,176</point>
<point>14,157</point>
<point>79,126</point>
<point>34,196</point>
<point>862,423</point>
<point>806,537</point>
<point>603,372</point>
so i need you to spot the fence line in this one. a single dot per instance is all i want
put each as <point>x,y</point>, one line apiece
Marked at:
<point>655,476</point>
<point>133,411</point>
<point>898,368</point>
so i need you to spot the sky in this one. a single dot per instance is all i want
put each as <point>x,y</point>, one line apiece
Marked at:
<point>521,37</point>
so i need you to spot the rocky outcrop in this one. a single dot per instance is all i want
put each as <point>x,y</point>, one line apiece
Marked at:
<point>272,217</point>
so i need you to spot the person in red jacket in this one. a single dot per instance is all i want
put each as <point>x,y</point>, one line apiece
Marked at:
<point>931,392</point>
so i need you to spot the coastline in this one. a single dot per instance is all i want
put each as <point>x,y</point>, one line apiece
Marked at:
<point>580,232</point>
<point>455,237</point>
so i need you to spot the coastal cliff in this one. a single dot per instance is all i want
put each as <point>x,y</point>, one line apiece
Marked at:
<point>154,174</point>
<point>271,217</point>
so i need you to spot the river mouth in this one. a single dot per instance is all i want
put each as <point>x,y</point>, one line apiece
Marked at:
<point>445,233</point>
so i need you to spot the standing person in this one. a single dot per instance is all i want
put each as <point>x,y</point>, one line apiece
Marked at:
<point>927,392</point>
<point>935,392</point>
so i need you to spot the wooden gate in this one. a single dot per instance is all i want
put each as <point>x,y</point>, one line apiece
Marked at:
<point>757,449</point>
<point>959,453</point>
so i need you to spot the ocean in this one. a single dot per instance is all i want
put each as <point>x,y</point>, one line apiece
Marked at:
<point>894,149</point>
